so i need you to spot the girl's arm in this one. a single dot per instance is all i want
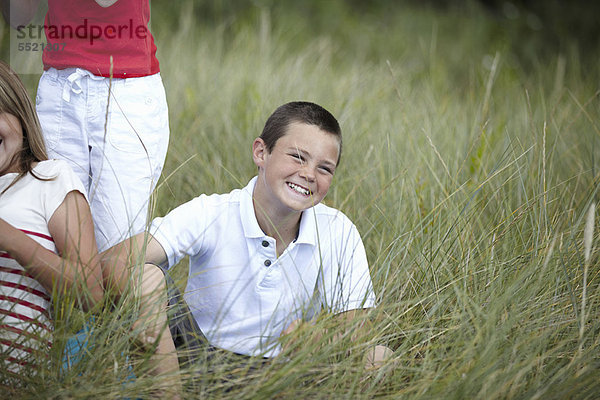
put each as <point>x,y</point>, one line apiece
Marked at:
<point>77,266</point>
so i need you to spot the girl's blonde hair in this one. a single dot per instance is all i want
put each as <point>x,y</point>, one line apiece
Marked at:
<point>15,100</point>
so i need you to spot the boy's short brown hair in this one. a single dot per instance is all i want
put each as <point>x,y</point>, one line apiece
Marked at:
<point>303,112</point>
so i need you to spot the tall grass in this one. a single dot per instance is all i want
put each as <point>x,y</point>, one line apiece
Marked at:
<point>468,171</point>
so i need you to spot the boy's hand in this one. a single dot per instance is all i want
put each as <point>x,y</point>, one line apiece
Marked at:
<point>301,335</point>
<point>377,356</point>
<point>291,327</point>
<point>374,358</point>
<point>287,342</point>
<point>290,334</point>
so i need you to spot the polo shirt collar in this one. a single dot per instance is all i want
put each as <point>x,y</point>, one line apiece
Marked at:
<point>249,222</point>
<point>308,230</point>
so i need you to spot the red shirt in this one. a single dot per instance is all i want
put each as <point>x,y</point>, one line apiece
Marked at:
<point>82,34</point>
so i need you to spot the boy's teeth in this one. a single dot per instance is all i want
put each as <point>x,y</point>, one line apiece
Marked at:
<point>298,189</point>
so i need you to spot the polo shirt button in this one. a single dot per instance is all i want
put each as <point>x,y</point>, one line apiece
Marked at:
<point>265,243</point>
<point>267,263</point>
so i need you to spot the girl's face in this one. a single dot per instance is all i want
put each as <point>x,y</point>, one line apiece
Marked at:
<point>11,142</point>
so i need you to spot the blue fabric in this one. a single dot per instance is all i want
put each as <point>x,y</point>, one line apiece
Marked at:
<point>79,346</point>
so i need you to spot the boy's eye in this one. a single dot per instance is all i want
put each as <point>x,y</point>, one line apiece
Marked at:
<point>327,170</point>
<point>297,156</point>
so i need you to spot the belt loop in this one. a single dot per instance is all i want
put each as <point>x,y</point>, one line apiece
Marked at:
<point>73,84</point>
<point>52,73</point>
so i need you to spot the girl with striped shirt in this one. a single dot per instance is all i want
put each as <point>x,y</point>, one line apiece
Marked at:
<point>47,242</point>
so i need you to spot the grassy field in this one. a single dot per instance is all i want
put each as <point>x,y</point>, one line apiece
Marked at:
<point>469,167</point>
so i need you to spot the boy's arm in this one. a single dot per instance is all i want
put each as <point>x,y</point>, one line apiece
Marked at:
<point>347,294</point>
<point>133,266</point>
<point>119,263</point>
<point>19,12</point>
<point>375,355</point>
<point>355,321</point>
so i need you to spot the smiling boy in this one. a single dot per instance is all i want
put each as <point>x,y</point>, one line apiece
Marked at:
<point>265,256</point>
<point>295,173</point>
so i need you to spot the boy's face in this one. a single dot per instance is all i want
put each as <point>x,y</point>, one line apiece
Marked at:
<point>297,173</point>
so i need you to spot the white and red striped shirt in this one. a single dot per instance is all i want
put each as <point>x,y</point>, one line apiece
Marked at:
<point>25,322</point>
<point>25,306</point>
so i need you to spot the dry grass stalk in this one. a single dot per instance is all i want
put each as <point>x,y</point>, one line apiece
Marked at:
<point>588,238</point>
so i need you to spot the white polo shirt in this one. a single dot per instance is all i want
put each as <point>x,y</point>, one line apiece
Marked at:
<point>240,293</point>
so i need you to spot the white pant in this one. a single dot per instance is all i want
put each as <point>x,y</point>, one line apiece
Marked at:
<point>118,154</point>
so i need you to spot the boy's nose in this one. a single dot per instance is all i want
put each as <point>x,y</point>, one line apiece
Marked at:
<point>307,173</point>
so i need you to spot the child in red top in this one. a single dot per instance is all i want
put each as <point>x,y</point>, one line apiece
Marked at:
<point>102,105</point>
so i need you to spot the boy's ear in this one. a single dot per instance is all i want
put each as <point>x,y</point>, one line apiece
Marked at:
<point>259,152</point>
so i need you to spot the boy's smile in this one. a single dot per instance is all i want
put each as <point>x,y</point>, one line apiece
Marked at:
<point>11,141</point>
<point>297,173</point>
